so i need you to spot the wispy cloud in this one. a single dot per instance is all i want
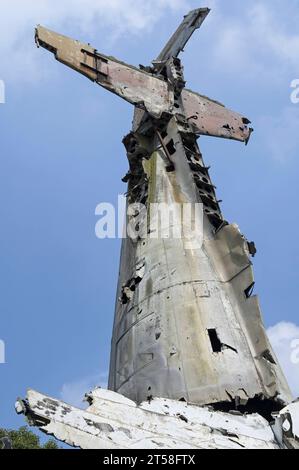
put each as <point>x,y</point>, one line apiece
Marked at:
<point>280,133</point>
<point>114,18</point>
<point>257,40</point>
<point>285,340</point>
<point>73,392</point>
<point>261,40</point>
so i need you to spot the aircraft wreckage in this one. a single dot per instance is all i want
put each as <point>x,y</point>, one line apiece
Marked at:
<point>191,365</point>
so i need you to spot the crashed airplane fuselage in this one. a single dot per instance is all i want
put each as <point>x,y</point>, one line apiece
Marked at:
<point>187,327</point>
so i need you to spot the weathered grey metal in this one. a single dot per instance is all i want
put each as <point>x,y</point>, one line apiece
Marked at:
<point>187,326</point>
<point>286,426</point>
<point>179,39</point>
<point>145,90</point>
<point>162,344</point>
<point>112,422</point>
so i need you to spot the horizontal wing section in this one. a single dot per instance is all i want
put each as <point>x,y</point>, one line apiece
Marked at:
<point>177,42</point>
<point>133,85</point>
<point>143,89</point>
<point>212,118</point>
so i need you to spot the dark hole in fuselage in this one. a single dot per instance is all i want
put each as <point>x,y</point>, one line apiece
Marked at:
<point>170,147</point>
<point>215,341</point>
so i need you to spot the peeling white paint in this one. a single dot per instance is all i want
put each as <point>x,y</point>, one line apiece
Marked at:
<point>115,422</point>
<point>286,425</point>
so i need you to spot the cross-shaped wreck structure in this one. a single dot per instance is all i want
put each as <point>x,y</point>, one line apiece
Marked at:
<point>191,364</point>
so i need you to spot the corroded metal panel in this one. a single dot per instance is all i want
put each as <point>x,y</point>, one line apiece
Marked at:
<point>143,89</point>
<point>214,119</point>
<point>133,85</point>
<point>163,332</point>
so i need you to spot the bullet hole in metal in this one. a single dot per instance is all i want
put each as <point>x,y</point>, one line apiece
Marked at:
<point>170,168</point>
<point>182,417</point>
<point>246,121</point>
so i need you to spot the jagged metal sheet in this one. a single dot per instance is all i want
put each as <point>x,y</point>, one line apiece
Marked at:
<point>144,89</point>
<point>179,39</point>
<point>161,344</point>
<point>286,426</point>
<point>214,119</point>
<point>114,422</point>
<point>128,82</point>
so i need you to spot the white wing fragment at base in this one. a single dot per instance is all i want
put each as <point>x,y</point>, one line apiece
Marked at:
<point>114,422</point>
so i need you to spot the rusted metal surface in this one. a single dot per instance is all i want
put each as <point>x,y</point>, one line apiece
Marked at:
<point>128,82</point>
<point>145,90</point>
<point>187,326</point>
<point>214,119</point>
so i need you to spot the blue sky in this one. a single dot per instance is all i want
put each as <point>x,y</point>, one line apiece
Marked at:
<point>62,155</point>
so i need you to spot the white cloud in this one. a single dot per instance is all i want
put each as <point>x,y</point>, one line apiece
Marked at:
<point>259,40</point>
<point>284,338</point>
<point>259,47</point>
<point>19,17</point>
<point>74,392</point>
<point>271,30</point>
<point>280,133</point>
